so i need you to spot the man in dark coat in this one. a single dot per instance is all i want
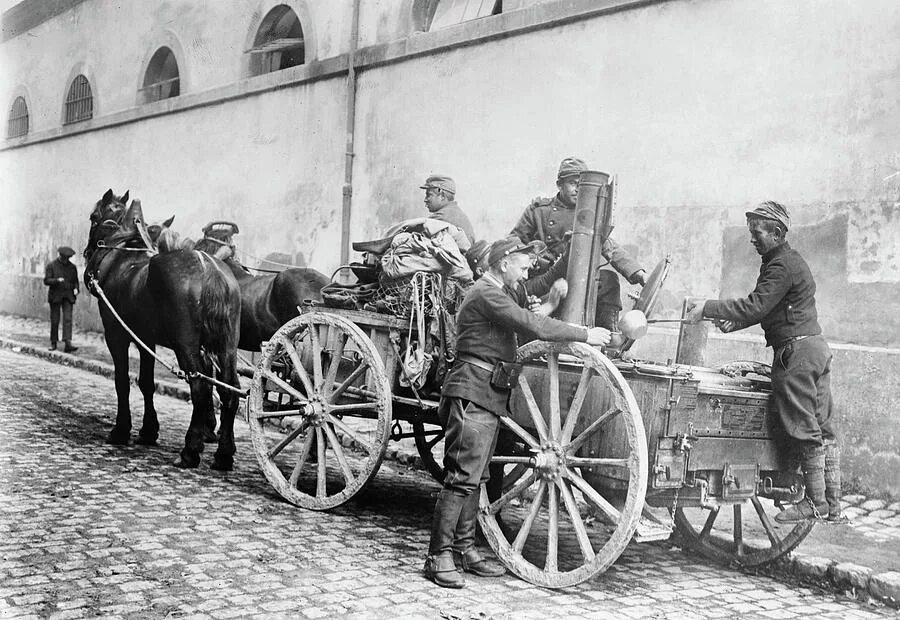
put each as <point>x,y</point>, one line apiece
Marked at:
<point>62,278</point>
<point>550,220</point>
<point>471,403</point>
<point>784,304</point>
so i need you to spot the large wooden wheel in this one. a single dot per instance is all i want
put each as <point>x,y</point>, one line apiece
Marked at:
<point>744,534</point>
<point>319,410</point>
<point>561,529</point>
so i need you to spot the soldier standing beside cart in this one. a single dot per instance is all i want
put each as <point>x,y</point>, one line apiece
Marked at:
<point>784,304</point>
<point>474,395</point>
<point>550,220</point>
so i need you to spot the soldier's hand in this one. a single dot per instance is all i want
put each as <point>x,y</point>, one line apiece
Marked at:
<point>60,279</point>
<point>598,336</point>
<point>726,326</point>
<point>558,292</point>
<point>695,312</point>
<point>641,277</point>
<point>534,304</point>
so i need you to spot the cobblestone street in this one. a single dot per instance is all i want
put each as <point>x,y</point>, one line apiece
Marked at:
<point>89,529</point>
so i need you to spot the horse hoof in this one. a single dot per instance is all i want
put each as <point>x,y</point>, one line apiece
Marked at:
<point>117,438</point>
<point>183,463</point>
<point>145,441</point>
<point>222,463</point>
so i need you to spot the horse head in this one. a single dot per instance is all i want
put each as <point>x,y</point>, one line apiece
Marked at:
<point>106,219</point>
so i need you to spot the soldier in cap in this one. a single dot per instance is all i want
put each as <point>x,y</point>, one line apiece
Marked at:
<point>473,397</point>
<point>62,278</point>
<point>550,220</point>
<point>440,200</point>
<point>784,305</point>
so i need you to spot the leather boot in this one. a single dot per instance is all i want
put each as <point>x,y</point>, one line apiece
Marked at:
<point>813,506</point>
<point>439,565</point>
<point>833,482</point>
<point>52,346</point>
<point>465,554</point>
<point>69,348</point>
<point>607,317</point>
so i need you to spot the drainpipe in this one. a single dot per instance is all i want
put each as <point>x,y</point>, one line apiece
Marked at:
<point>351,125</point>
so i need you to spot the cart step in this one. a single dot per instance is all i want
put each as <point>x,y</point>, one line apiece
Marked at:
<point>649,530</point>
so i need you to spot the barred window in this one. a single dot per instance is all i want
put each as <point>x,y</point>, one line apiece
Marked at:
<point>161,79</point>
<point>279,42</point>
<point>79,101</point>
<point>17,126</point>
<point>452,12</point>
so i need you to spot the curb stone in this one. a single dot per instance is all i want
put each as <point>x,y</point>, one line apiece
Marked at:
<point>884,587</point>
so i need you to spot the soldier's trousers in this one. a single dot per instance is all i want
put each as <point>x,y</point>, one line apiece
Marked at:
<point>65,308</point>
<point>801,386</point>
<point>470,437</point>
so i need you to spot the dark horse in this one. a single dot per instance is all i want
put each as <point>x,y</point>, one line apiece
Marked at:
<point>183,300</point>
<point>267,301</point>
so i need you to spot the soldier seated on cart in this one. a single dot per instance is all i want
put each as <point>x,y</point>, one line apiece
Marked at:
<point>550,220</point>
<point>784,304</point>
<point>475,393</point>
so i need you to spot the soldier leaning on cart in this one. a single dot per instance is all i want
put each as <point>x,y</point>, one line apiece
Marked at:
<point>474,395</point>
<point>550,220</point>
<point>784,304</point>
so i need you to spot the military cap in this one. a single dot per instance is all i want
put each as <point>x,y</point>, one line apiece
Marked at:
<point>66,251</point>
<point>440,182</point>
<point>569,167</point>
<point>770,210</point>
<point>511,245</point>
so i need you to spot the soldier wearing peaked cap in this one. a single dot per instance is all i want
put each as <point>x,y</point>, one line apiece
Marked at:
<point>62,278</point>
<point>440,200</point>
<point>784,305</point>
<point>475,393</point>
<point>550,220</point>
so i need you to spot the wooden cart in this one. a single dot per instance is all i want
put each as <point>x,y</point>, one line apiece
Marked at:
<point>596,452</point>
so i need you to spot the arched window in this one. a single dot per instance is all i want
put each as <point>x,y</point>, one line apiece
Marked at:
<point>452,12</point>
<point>79,101</point>
<point>278,43</point>
<point>161,80</point>
<point>17,126</point>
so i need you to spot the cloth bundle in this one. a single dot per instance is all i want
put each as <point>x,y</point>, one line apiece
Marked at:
<point>431,247</point>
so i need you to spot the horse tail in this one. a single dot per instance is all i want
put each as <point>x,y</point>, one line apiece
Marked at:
<point>217,315</point>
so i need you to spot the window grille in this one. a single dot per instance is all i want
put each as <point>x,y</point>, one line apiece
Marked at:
<point>17,125</point>
<point>279,42</point>
<point>161,80</point>
<point>79,101</point>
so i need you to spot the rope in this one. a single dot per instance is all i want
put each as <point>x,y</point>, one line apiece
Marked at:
<point>264,260</point>
<point>171,367</point>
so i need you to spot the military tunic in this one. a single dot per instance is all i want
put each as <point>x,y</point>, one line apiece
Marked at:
<point>784,305</point>
<point>452,214</point>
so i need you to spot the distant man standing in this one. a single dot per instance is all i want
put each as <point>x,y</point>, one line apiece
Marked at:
<point>550,220</point>
<point>440,200</point>
<point>62,278</point>
<point>784,304</point>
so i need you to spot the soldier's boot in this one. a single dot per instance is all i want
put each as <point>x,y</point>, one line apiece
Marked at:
<point>607,317</point>
<point>52,346</point>
<point>813,505</point>
<point>466,556</point>
<point>833,482</point>
<point>439,565</point>
<point>69,348</point>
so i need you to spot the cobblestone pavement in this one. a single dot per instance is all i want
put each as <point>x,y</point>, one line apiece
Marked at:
<point>88,529</point>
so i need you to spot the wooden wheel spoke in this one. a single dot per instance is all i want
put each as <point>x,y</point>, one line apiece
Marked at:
<point>555,423</point>
<point>506,460</point>
<point>351,433</point>
<point>281,413</point>
<point>578,461</point>
<point>536,418</point>
<point>593,496</point>
<point>353,407</point>
<point>291,351</point>
<point>516,474</point>
<point>766,522</point>
<point>339,453</point>
<point>335,364</point>
<point>281,445</point>
<point>525,529</point>
<point>710,520</point>
<point>550,564</point>
<point>521,432</point>
<point>353,376</point>
<point>738,529</point>
<point>301,460</point>
<point>287,387</point>
<point>586,433</point>
<point>513,493</point>
<point>587,551</point>
<point>321,487</point>
<point>316,357</point>
<point>577,402</point>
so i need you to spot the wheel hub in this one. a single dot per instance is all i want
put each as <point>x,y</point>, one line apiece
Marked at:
<point>314,410</point>
<point>549,461</point>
